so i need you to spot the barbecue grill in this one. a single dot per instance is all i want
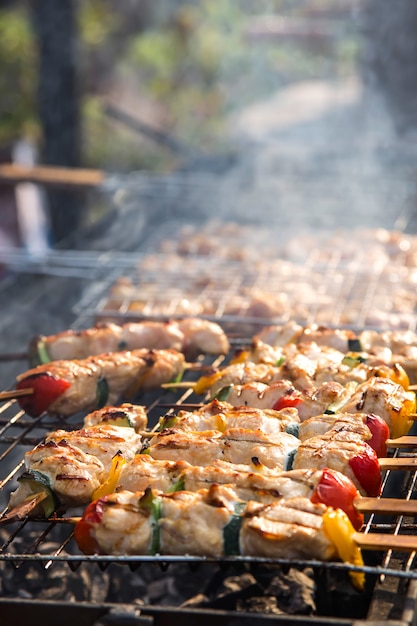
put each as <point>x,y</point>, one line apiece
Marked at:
<point>342,280</point>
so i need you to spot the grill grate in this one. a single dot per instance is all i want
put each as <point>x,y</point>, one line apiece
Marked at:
<point>332,284</point>
<point>50,541</point>
<point>351,278</point>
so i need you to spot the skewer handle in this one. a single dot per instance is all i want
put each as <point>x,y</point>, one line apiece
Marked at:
<point>385,541</point>
<point>388,506</point>
<point>408,441</point>
<point>15,393</point>
<point>398,463</point>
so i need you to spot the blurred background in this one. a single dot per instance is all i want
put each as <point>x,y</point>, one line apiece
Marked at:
<point>275,90</point>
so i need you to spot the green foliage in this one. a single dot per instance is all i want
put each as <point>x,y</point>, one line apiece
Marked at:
<point>17,76</point>
<point>193,68</point>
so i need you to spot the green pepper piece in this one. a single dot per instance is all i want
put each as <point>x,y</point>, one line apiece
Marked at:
<point>179,485</point>
<point>39,483</point>
<point>354,345</point>
<point>152,504</point>
<point>178,378</point>
<point>293,428</point>
<point>290,460</point>
<point>231,532</point>
<point>353,361</point>
<point>166,421</point>
<point>223,394</point>
<point>38,352</point>
<point>102,392</point>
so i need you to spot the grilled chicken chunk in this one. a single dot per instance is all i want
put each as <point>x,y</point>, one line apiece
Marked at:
<point>236,374</point>
<point>190,335</point>
<point>370,427</point>
<point>223,416</point>
<point>237,445</point>
<point>347,422</point>
<point>386,399</point>
<point>126,414</point>
<point>345,452</point>
<point>69,387</point>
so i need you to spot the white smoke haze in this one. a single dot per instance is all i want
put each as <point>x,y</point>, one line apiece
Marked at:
<point>318,151</point>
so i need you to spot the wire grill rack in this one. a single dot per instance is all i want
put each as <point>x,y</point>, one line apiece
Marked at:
<point>361,279</point>
<point>49,541</point>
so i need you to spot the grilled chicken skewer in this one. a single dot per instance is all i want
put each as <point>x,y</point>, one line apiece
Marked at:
<point>236,445</point>
<point>69,387</point>
<point>74,467</point>
<point>67,483</point>
<point>306,366</point>
<point>380,396</point>
<point>192,336</point>
<point>222,416</point>
<point>215,522</point>
<point>255,482</point>
<point>398,346</point>
<point>343,451</point>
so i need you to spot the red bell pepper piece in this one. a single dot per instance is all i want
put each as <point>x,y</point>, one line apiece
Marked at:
<point>46,389</point>
<point>380,434</point>
<point>338,491</point>
<point>83,532</point>
<point>367,471</point>
<point>287,401</point>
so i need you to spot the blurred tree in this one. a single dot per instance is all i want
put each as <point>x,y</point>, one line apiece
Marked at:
<point>59,104</point>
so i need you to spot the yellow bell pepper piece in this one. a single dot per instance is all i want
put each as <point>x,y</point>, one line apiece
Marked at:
<point>339,530</point>
<point>400,376</point>
<point>110,483</point>
<point>205,382</point>
<point>400,422</point>
<point>241,356</point>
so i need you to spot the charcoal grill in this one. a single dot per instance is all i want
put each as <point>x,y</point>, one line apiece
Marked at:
<point>391,594</point>
<point>340,280</point>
